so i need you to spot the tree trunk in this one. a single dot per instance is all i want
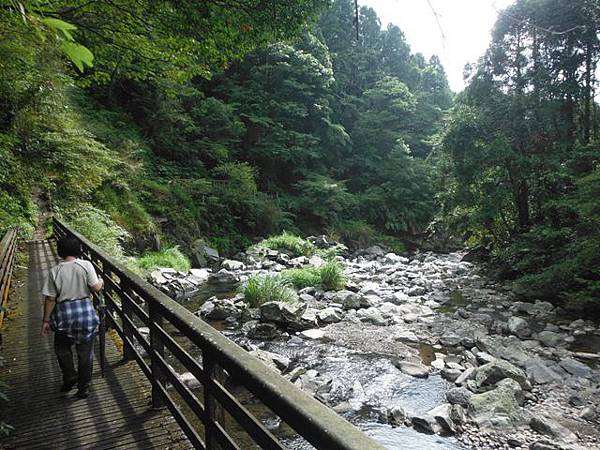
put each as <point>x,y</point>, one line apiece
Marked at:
<point>522,199</point>
<point>588,94</point>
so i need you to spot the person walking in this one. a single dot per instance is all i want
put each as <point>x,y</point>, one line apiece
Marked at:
<point>69,312</point>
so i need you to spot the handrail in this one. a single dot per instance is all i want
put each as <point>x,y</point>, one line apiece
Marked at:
<point>130,299</point>
<point>8,247</point>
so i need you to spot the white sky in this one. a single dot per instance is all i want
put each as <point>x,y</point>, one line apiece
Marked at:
<point>466,25</point>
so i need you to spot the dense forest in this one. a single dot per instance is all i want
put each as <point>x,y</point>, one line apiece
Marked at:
<point>144,121</point>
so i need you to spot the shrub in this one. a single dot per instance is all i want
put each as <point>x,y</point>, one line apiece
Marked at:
<point>332,275</point>
<point>261,289</point>
<point>332,252</point>
<point>290,243</point>
<point>355,233</point>
<point>304,277</point>
<point>395,244</point>
<point>97,226</point>
<point>168,257</point>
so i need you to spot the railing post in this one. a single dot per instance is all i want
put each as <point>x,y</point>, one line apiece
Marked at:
<point>128,351</point>
<point>210,404</point>
<point>157,347</point>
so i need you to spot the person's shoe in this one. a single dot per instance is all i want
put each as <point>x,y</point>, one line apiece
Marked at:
<point>66,387</point>
<point>82,393</point>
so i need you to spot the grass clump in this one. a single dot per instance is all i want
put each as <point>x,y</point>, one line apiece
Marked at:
<point>332,275</point>
<point>167,257</point>
<point>304,277</point>
<point>289,243</point>
<point>268,288</point>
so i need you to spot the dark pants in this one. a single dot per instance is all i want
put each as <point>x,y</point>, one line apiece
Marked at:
<point>85,358</point>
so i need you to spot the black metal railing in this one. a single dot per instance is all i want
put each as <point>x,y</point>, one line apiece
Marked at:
<point>212,416</point>
<point>8,250</point>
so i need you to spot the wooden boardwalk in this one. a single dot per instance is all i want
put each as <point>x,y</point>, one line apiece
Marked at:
<point>115,415</point>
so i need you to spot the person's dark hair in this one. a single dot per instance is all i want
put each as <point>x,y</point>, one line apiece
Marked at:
<point>68,246</point>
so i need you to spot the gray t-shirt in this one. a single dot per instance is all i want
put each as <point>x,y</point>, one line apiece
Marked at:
<point>70,280</point>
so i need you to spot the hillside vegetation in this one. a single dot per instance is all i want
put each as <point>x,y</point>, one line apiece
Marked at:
<point>142,122</point>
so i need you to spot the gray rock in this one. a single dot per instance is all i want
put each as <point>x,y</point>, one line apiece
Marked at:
<point>500,402</point>
<point>549,338</point>
<point>202,254</point>
<point>550,427</point>
<point>414,369</point>
<point>443,415</point>
<point>262,331</point>
<point>539,373</point>
<point>450,339</point>
<point>458,396</point>
<point>575,367</point>
<point>230,264</point>
<point>329,315</point>
<point>451,374</point>
<point>465,376</point>
<point>313,334</point>
<point>492,372</point>
<point>219,309</point>
<point>426,423</point>
<point>416,291</point>
<point>372,315</point>
<point>281,312</point>
<point>519,326</point>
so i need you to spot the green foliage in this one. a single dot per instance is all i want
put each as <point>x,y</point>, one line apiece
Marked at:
<point>269,288</point>
<point>287,242</point>
<point>302,277</point>
<point>355,233</point>
<point>97,226</point>
<point>332,276</point>
<point>166,257</point>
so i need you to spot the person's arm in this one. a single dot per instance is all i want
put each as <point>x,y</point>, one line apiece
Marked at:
<point>97,286</point>
<point>49,304</point>
<point>93,281</point>
<point>50,294</point>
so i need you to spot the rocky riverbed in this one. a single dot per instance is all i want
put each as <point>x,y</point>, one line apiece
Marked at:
<point>422,352</point>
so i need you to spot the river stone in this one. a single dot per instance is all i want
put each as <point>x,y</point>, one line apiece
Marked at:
<point>392,258</point>
<point>465,376</point>
<point>575,367</point>
<point>281,312</point>
<point>316,261</point>
<point>313,334</point>
<point>409,336</point>
<point>416,291</point>
<point>458,396</point>
<point>199,276</point>
<point>262,331</point>
<point>539,373</point>
<point>451,374</point>
<point>550,427</point>
<point>519,326</point>
<point>502,402</point>
<point>372,315</point>
<point>202,254</point>
<point>549,338</point>
<point>442,414</point>
<point>413,369</point>
<point>231,264</point>
<point>492,372</point>
<point>219,310</point>
<point>426,423</point>
<point>329,315</point>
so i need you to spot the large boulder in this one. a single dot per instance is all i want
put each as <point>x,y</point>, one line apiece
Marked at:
<point>215,309</point>
<point>202,254</point>
<point>412,368</point>
<point>491,373</point>
<point>519,326</point>
<point>499,405</point>
<point>281,312</point>
<point>230,264</point>
<point>575,367</point>
<point>550,427</point>
<point>539,372</point>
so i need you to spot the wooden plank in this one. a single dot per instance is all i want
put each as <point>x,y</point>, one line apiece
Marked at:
<point>115,415</point>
